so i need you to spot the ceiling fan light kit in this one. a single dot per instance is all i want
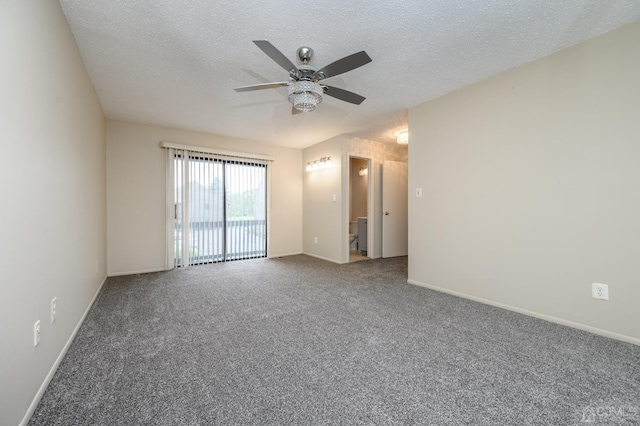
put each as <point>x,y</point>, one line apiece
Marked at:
<point>305,95</point>
<point>305,91</point>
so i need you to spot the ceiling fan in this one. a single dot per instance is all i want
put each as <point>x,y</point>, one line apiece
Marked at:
<point>305,89</point>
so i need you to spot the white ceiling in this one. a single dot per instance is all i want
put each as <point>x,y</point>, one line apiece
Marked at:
<point>175,63</point>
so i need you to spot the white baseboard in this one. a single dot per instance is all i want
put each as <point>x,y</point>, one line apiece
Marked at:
<point>56,364</point>
<point>568,323</point>
<point>142,271</point>
<point>324,258</point>
<point>275,256</point>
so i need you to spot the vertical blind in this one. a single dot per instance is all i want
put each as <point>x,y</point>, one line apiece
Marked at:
<point>219,208</point>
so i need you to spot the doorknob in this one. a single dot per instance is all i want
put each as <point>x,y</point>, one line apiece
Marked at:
<point>386,213</point>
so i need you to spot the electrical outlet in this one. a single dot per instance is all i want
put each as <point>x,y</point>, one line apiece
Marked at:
<point>315,240</point>
<point>54,307</point>
<point>36,333</point>
<point>600,291</point>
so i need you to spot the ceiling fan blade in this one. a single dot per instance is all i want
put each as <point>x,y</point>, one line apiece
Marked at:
<point>260,86</point>
<point>343,95</point>
<point>343,65</point>
<point>276,55</point>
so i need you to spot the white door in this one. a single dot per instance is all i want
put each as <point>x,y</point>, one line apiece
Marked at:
<point>394,209</point>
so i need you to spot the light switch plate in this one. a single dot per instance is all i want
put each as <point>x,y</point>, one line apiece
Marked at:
<point>36,333</point>
<point>54,309</point>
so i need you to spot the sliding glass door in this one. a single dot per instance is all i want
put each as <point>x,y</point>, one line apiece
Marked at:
<point>220,208</point>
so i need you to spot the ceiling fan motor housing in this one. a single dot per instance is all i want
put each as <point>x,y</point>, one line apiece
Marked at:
<point>305,54</point>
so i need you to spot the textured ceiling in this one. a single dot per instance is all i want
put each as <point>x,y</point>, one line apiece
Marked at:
<point>175,63</point>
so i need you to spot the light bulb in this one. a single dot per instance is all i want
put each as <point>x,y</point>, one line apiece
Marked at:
<point>403,137</point>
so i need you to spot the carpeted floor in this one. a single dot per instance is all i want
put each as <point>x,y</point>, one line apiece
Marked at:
<point>301,341</point>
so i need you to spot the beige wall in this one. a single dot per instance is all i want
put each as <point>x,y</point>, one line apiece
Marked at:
<point>136,193</point>
<point>322,217</point>
<point>531,187</point>
<point>53,200</point>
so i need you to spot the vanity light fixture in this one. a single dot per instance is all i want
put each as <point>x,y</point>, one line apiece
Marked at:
<point>363,171</point>
<point>322,163</point>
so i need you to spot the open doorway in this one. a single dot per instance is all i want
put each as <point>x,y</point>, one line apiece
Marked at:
<point>358,209</point>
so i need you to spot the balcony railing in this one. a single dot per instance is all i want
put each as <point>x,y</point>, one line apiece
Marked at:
<point>245,239</point>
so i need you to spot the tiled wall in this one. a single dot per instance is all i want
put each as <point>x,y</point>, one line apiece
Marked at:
<point>377,151</point>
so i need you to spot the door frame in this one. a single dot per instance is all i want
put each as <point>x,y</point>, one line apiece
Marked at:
<point>371,213</point>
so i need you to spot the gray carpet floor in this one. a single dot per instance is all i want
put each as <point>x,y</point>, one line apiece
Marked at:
<point>301,341</point>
